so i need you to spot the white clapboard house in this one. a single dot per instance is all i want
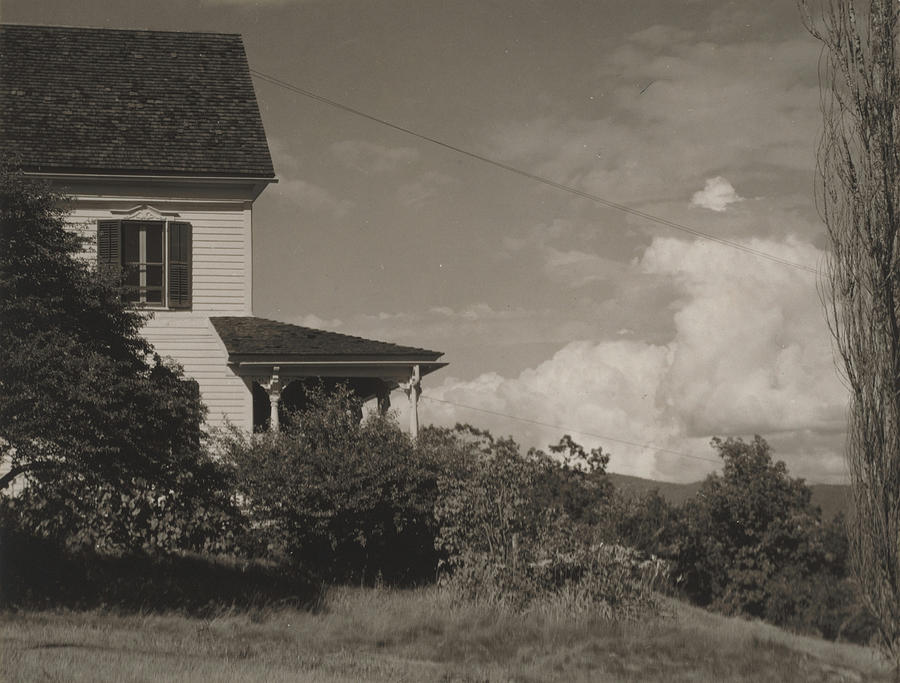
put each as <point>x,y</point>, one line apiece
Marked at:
<point>158,139</point>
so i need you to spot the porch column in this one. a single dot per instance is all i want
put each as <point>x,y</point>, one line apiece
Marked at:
<point>413,389</point>
<point>383,397</point>
<point>273,388</point>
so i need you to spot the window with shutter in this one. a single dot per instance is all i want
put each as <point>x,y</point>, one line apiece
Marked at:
<point>153,259</point>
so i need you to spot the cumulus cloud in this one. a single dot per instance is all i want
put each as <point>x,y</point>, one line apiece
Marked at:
<point>709,107</point>
<point>749,354</point>
<point>716,195</point>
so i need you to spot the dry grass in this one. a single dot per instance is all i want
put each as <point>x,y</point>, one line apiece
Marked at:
<point>421,635</point>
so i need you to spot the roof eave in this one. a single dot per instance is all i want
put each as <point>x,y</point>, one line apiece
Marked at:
<point>254,185</point>
<point>386,368</point>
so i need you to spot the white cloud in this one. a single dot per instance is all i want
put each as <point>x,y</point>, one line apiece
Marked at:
<point>716,195</point>
<point>749,354</point>
<point>709,107</point>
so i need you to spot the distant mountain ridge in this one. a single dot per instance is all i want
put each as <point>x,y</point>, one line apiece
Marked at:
<point>831,498</point>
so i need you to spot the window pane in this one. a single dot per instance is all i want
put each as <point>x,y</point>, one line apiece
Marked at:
<point>154,296</point>
<point>155,243</point>
<point>132,276</point>
<point>131,243</point>
<point>154,276</point>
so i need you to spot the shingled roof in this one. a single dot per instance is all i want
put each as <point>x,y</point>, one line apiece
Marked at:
<point>96,100</point>
<point>250,336</point>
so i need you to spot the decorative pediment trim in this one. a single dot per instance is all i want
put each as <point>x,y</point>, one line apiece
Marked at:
<point>144,212</point>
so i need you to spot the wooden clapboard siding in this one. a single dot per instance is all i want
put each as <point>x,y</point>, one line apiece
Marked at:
<point>221,285</point>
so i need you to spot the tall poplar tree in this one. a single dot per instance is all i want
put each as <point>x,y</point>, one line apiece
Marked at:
<point>859,200</point>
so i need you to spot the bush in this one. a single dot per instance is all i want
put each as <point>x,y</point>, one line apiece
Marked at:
<point>353,501</point>
<point>197,514</point>
<point>36,573</point>
<point>646,522</point>
<point>504,543</point>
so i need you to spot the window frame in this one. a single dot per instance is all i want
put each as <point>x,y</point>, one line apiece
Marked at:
<point>176,290</point>
<point>142,264</point>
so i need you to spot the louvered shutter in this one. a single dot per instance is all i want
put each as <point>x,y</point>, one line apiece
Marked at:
<point>109,248</point>
<point>179,265</point>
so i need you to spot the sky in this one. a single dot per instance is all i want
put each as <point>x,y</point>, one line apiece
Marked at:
<point>550,307</point>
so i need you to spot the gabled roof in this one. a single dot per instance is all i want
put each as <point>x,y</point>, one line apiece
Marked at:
<point>251,337</point>
<point>89,100</point>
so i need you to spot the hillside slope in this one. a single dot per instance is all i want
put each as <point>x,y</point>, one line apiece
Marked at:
<point>420,635</point>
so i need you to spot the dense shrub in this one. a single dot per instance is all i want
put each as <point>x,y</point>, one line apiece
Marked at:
<point>350,500</point>
<point>197,514</point>
<point>646,522</point>
<point>37,573</point>
<point>508,537</point>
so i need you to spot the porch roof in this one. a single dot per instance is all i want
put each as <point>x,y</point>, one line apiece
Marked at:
<point>250,339</point>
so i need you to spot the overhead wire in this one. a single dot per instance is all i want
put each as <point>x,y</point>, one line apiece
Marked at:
<point>565,188</point>
<point>535,177</point>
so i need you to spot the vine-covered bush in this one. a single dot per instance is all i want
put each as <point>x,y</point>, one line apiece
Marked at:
<point>352,501</point>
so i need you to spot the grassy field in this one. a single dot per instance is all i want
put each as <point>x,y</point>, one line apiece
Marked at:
<point>421,635</point>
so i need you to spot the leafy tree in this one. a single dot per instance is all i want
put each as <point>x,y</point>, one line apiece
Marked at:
<point>573,480</point>
<point>752,543</point>
<point>858,198</point>
<point>88,412</point>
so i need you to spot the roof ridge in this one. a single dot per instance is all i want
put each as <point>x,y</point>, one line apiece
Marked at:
<point>69,27</point>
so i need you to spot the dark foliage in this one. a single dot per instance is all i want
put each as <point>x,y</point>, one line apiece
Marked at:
<point>353,501</point>
<point>506,528</point>
<point>573,480</point>
<point>100,429</point>
<point>37,573</point>
<point>646,522</point>
<point>751,543</point>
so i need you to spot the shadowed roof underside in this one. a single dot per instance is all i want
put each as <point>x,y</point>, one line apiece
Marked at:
<point>88,100</point>
<point>249,336</point>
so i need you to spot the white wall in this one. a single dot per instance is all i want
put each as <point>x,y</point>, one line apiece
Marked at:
<point>222,285</point>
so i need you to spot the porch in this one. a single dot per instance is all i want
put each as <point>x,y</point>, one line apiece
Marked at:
<point>279,360</point>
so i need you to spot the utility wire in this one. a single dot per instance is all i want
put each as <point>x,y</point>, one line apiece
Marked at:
<point>647,446</point>
<point>537,178</point>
